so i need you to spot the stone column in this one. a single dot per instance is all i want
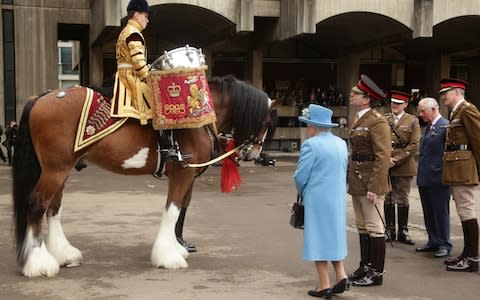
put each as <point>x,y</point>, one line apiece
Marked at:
<point>473,92</point>
<point>96,65</point>
<point>209,61</point>
<point>347,76</point>
<point>437,67</point>
<point>254,67</point>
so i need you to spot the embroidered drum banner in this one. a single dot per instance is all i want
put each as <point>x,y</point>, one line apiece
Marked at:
<point>182,98</point>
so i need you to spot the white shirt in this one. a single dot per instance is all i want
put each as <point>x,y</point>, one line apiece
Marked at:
<point>432,125</point>
<point>362,112</point>
<point>398,117</point>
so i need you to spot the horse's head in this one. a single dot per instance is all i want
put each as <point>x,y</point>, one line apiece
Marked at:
<point>246,112</point>
<point>252,149</point>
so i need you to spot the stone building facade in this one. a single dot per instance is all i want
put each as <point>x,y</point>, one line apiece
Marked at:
<point>403,44</point>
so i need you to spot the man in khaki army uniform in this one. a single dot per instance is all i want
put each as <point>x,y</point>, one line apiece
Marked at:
<point>370,143</point>
<point>405,141</point>
<point>460,167</point>
<point>132,97</point>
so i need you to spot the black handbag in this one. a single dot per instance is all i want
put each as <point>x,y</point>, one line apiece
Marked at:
<point>297,215</point>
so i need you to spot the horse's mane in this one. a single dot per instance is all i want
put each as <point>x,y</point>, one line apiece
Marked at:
<point>248,106</point>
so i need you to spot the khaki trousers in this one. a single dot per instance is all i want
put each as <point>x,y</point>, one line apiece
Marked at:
<point>464,201</point>
<point>367,217</point>
<point>400,191</point>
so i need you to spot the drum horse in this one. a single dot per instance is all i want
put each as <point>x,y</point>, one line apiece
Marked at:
<point>44,157</point>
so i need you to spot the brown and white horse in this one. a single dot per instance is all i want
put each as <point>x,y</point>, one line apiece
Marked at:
<point>44,157</point>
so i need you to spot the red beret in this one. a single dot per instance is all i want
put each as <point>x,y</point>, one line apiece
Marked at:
<point>452,83</point>
<point>370,88</point>
<point>399,97</point>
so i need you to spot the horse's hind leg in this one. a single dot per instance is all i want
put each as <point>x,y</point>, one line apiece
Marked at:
<point>37,259</point>
<point>57,243</point>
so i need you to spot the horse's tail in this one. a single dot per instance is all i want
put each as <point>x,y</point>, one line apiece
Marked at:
<point>26,172</point>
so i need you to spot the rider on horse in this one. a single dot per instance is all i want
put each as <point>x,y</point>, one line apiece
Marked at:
<point>132,96</point>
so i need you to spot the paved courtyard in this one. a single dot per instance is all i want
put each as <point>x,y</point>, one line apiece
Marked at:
<point>247,250</point>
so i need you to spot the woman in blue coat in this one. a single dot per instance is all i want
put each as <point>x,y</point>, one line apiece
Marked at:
<point>320,178</point>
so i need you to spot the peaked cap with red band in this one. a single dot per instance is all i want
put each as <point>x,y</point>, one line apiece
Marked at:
<point>370,88</point>
<point>452,83</point>
<point>399,97</point>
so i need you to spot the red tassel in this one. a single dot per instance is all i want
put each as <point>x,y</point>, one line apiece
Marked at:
<point>230,178</point>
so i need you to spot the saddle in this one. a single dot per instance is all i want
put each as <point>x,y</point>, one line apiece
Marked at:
<point>95,121</point>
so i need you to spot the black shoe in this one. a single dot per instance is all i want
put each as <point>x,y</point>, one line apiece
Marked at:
<point>357,274</point>
<point>371,279</point>
<point>442,252</point>
<point>403,237</point>
<point>426,248</point>
<point>452,261</point>
<point>341,286</point>
<point>326,293</point>
<point>189,247</point>
<point>467,264</point>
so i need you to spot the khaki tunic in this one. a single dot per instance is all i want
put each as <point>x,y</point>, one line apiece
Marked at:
<point>460,167</point>
<point>132,96</point>
<point>405,144</point>
<point>370,135</point>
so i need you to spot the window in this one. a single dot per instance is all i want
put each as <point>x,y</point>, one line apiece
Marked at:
<point>68,74</point>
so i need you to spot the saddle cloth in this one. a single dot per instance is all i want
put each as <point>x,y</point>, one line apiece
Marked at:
<point>95,121</point>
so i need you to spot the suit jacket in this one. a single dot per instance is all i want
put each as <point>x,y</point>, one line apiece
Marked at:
<point>405,139</point>
<point>461,167</point>
<point>370,135</point>
<point>430,160</point>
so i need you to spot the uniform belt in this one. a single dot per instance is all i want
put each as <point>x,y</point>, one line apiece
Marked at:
<point>124,66</point>
<point>457,147</point>
<point>399,145</point>
<point>362,157</point>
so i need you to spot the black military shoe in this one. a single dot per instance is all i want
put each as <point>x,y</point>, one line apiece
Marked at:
<point>467,264</point>
<point>452,261</point>
<point>403,237</point>
<point>357,274</point>
<point>371,278</point>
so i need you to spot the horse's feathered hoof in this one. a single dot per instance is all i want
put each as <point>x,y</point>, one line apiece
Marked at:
<point>66,255</point>
<point>40,263</point>
<point>172,260</point>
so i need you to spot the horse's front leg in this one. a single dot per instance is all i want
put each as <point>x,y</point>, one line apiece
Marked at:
<point>167,252</point>
<point>57,243</point>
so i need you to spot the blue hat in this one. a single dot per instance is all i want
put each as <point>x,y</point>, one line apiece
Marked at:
<point>139,5</point>
<point>317,116</point>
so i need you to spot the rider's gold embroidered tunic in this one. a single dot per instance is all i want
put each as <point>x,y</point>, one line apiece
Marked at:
<point>132,96</point>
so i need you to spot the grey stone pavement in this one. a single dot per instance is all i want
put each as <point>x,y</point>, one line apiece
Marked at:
<point>247,250</point>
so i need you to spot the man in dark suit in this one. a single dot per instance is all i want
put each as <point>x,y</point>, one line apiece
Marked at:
<point>434,195</point>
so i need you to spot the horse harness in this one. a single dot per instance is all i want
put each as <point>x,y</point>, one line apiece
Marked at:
<point>172,151</point>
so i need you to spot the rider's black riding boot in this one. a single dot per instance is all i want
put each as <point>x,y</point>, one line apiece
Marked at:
<point>179,232</point>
